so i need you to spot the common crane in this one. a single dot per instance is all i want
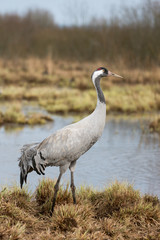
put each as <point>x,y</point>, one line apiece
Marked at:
<point>64,147</point>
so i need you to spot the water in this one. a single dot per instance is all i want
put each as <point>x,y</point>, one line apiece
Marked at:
<point>124,153</point>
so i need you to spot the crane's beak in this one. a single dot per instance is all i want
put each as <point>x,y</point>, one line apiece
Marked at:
<point>113,74</point>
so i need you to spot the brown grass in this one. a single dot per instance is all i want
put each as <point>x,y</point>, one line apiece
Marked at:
<point>67,88</point>
<point>117,212</point>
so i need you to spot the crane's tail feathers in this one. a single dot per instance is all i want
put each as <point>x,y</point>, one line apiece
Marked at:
<point>22,178</point>
<point>28,151</point>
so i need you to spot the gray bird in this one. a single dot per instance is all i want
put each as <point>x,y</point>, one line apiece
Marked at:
<point>64,147</point>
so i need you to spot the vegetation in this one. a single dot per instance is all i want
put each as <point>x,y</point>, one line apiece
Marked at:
<point>32,70</point>
<point>65,87</point>
<point>117,212</point>
<point>132,38</point>
<point>14,115</point>
<point>155,125</point>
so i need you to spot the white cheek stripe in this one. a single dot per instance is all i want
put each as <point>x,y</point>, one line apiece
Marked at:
<point>96,74</point>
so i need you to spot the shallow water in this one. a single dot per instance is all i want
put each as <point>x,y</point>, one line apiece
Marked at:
<point>124,153</point>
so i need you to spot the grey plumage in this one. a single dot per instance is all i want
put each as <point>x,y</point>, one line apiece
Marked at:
<point>65,146</point>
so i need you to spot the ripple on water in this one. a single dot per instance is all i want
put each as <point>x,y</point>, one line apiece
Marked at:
<point>125,152</point>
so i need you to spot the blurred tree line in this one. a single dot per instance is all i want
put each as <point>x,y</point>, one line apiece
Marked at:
<point>133,38</point>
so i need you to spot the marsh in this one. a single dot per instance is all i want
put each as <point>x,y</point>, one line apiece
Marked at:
<point>127,151</point>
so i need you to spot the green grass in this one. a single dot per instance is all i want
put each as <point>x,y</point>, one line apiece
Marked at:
<point>16,116</point>
<point>121,99</point>
<point>68,89</point>
<point>117,212</point>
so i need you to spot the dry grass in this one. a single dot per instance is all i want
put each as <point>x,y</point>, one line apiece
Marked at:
<point>65,87</point>
<point>117,212</point>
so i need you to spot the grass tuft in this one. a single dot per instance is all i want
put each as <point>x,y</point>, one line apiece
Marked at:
<point>14,116</point>
<point>44,195</point>
<point>113,199</point>
<point>117,212</point>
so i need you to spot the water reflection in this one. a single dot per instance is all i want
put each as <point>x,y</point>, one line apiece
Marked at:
<point>126,152</point>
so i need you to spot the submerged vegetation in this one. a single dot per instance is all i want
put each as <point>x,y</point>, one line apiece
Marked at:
<point>117,212</point>
<point>155,125</point>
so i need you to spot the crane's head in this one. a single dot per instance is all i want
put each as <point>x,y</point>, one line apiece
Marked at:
<point>103,72</point>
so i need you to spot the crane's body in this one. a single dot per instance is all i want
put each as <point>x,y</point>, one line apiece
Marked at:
<point>70,142</point>
<point>65,146</point>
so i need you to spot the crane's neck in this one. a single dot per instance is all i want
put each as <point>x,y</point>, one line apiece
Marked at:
<point>100,95</point>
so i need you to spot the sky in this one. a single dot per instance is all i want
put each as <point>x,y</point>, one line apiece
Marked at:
<point>68,12</point>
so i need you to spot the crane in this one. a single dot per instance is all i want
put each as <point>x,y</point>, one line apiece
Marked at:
<point>64,147</point>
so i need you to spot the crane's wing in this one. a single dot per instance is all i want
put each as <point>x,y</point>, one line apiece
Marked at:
<point>67,144</point>
<point>59,146</point>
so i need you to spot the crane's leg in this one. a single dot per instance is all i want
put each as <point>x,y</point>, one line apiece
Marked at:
<point>56,187</point>
<point>72,168</point>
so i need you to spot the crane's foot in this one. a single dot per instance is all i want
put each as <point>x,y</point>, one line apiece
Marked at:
<point>51,213</point>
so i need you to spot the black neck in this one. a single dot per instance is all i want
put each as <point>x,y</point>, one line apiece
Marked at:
<point>100,94</point>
